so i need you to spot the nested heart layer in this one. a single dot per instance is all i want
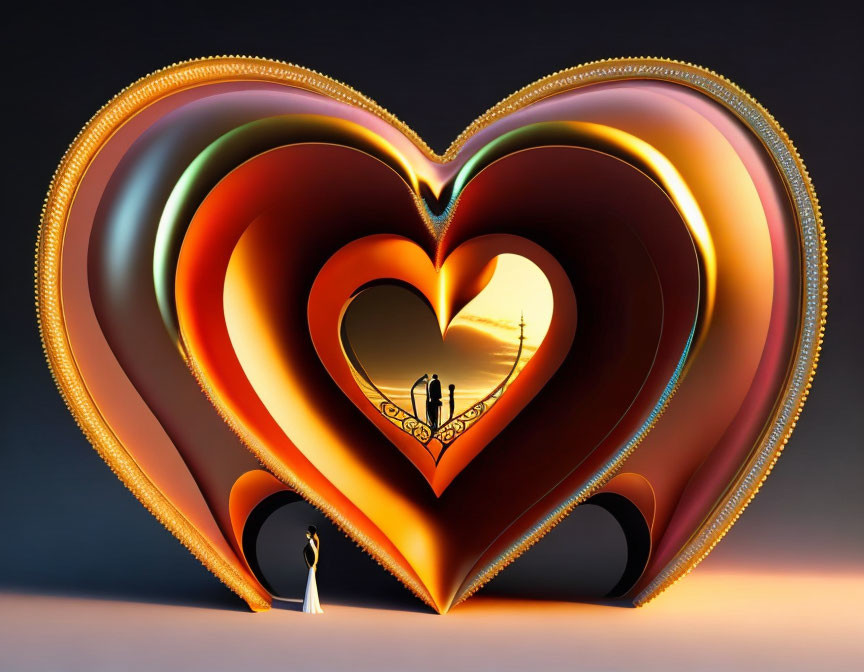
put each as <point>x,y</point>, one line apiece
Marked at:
<point>246,279</point>
<point>310,260</point>
<point>478,299</point>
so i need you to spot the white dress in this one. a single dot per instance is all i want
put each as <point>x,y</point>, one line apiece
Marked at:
<point>311,605</point>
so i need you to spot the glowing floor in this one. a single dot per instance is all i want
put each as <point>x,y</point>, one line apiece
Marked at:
<point>711,621</point>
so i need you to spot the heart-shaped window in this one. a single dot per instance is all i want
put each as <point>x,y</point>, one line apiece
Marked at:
<point>436,380</point>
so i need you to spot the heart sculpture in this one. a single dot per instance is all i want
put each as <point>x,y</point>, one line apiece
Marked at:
<point>369,259</point>
<point>619,269</point>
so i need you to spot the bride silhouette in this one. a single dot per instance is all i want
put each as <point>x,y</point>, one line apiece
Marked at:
<point>311,605</point>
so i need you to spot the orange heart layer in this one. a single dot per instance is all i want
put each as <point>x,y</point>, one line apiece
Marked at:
<point>196,221</point>
<point>462,275</point>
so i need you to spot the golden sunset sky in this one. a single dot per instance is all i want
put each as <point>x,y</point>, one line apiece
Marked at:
<point>396,337</point>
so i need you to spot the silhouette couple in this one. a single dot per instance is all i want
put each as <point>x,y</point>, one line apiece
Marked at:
<point>433,400</point>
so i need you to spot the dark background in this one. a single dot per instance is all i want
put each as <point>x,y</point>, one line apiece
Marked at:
<point>68,525</point>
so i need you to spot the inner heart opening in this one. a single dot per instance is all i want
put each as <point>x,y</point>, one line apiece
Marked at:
<point>435,380</point>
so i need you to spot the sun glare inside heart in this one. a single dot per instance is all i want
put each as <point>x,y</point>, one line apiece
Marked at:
<point>435,386</point>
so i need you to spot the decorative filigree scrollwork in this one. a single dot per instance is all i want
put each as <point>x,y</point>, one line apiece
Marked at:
<point>451,430</point>
<point>454,428</point>
<point>409,424</point>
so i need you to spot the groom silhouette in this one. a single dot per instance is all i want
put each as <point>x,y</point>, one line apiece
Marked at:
<point>433,402</point>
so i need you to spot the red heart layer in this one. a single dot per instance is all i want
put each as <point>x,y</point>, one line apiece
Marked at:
<point>271,241</point>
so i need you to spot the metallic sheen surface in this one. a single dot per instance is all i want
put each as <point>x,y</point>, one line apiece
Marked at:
<point>188,225</point>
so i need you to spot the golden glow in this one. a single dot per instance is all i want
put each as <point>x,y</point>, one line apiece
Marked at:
<point>517,282</point>
<point>388,330</point>
<point>444,306</point>
<point>679,191</point>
